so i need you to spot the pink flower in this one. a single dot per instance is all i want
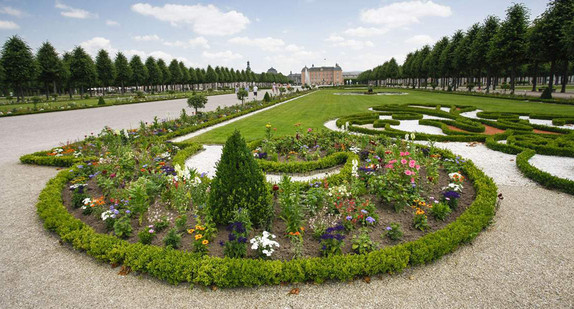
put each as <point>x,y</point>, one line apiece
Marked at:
<point>407,153</point>
<point>412,163</point>
<point>418,167</point>
<point>412,180</point>
<point>389,166</point>
<point>309,130</point>
<point>402,154</point>
<point>403,161</point>
<point>392,161</point>
<point>407,172</point>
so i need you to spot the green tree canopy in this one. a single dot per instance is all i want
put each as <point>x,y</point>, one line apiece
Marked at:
<point>18,63</point>
<point>105,68</point>
<point>123,71</point>
<point>49,66</point>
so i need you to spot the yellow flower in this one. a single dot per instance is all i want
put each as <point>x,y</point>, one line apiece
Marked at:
<point>190,231</point>
<point>205,242</point>
<point>198,236</point>
<point>268,126</point>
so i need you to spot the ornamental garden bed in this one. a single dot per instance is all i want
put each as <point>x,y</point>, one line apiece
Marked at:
<point>360,210</point>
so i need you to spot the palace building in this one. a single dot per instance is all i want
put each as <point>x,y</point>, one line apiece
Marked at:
<point>322,75</point>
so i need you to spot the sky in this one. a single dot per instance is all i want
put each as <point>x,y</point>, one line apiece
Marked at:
<point>286,35</point>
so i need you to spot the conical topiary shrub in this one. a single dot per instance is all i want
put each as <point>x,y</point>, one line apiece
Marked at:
<point>239,183</point>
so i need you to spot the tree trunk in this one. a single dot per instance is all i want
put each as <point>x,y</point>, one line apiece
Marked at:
<point>512,78</point>
<point>551,80</point>
<point>47,92</point>
<point>535,76</point>
<point>564,76</point>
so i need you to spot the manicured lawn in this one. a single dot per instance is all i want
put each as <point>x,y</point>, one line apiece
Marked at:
<point>315,109</point>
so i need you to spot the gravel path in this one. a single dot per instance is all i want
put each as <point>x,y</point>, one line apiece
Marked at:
<point>206,160</point>
<point>562,167</point>
<point>523,260</point>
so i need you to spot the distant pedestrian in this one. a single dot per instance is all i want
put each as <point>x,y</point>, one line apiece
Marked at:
<point>255,91</point>
<point>273,88</point>
<point>236,89</point>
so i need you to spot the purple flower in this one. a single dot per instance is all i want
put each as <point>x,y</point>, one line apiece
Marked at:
<point>127,211</point>
<point>364,211</point>
<point>370,220</point>
<point>339,237</point>
<point>349,218</point>
<point>151,231</point>
<point>80,166</point>
<point>451,195</point>
<point>389,228</point>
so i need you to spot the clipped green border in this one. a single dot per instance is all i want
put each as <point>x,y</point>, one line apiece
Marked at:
<point>179,266</point>
<point>543,178</point>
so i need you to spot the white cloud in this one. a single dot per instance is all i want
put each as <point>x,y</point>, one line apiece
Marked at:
<point>198,42</point>
<point>68,11</point>
<point>294,48</point>
<point>404,13</point>
<point>339,41</point>
<point>8,25</point>
<point>147,38</point>
<point>112,23</point>
<point>294,61</point>
<point>11,11</point>
<point>266,44</point>
<point>224,56</point>
<point>420,39</point>
<point>204,19</point>
<point>365,32</point>
<point>92,46</point>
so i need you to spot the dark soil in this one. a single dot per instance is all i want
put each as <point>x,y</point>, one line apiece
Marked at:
<point>311,247</point>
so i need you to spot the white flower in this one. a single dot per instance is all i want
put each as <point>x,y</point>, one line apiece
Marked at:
<point>355,149</point>
<point>354,169</point>
<point>406,137</point>
<point>87,201</point>
<point>107,214</point>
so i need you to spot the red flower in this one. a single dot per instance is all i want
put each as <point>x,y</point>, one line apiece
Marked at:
<point>275,187</point>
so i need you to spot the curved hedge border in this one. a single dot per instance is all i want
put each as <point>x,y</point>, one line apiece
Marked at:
<point>407,116</point>
<point>179,266</point>
<point>380,123</point>
<point>41,158</point>
<point>304,166</point>
<point>543,178</point>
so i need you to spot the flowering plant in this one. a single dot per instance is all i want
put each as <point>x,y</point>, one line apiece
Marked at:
<point>264,244</point>
<point>332,240</point>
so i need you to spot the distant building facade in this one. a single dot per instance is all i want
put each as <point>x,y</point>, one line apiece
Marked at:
<point>295,78</point>
<point>322,75</point>
<point>272,70</point>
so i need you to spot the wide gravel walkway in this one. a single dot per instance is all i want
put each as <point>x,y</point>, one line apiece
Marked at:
<point>525,259</point>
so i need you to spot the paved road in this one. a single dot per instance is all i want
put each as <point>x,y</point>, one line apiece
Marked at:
<point>524,260</point>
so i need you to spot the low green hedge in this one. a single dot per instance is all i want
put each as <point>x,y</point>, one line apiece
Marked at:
<point>407,116</point>
<point>181,266</point>
<point>42,158</point>
<point>543,178</point>
<point>304,166</point>
<point>562,121</point>
<point>380,123</point>
<point>187,149</point>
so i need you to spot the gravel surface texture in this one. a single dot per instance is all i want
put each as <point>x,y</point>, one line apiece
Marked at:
<point>562,167</point>
<point>523,260</point>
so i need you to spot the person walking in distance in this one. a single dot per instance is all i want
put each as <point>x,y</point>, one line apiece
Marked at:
<point>255,92</point>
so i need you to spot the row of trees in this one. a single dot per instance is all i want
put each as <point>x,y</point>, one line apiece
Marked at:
<point>22,72</point>
<point>513,48</point>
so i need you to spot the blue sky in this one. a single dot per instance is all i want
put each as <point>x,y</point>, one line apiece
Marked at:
<point>286,35</point>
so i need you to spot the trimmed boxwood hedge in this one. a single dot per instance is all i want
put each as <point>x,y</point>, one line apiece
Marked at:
<point>543,178</point>
<point>407,116</point>
<point>42,158</point>
<point>180,266</point>
<point>380,123</point>
<point>304,166</point>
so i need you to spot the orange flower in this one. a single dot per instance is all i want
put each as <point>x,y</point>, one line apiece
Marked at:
<point>205,242</point>
<point>302,229</point>
<point>190,231</point>
<point>198,236</point>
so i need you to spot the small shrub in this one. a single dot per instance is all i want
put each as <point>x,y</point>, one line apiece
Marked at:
<point>394,232</point>
<point>440,211</point>
<point>123,227</point>
<point>172,239</point>
<point>267,97</point>
<point>180,223</point>
<point>332,241</point>
<point>239,183</point>
<point>236,247</point>
<point>161,225</point>
<point>147,235</point>
<point>546,93</point>
<point>101,101</point>
<point>420,221</point>
<point>451,198</point>
<point>362,243</point>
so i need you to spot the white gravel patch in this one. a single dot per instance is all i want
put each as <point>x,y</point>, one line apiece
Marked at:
<point>546,122</point>
<point>434,117</point>
<point>444,109</point>
<point>471,114</point>
<point>199,132</point>
<point>332,125</point>
<point>414,126</point>
<point>562,167</point>
<point>385,117</point>
<point>206,162</point>
<point>500,166</point>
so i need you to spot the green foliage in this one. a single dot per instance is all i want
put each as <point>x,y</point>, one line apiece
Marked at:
<point>197,101</point>
<point>267,97</point>
<point>101,101</point>
<point>146,235</point>
<point>440,211</point>
<point>105,69</point>
<point>239,230</point>
<point>362,243</point>
<point>394,231</point>
<point>242,94</point>
<point>139,197</point>
<point>17,63</point>
<point>289,198</point>
<point>180,222</point>
<point>546,93</point>
<point>420,222</point>
<point>123,227</point>
<point>543,178</point>
<point>239,183</point>
<point>172,239</point>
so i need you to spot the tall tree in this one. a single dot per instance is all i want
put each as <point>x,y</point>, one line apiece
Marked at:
<point>210,75</point>
<point>175,73</point>
<point>192,77</point>
<point>153,72</point>
<point>49,67</point>
<point>446,58</point>
<point>82,69</point>
<point>184,80</point>
<point>481,46</point>
<point>123,71</point>
<point>18,63</point>
<point>105,69</point>
<point>165,75</point>
<point>434,59</point>
<point>511,41</point>
<point>139,71</point>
